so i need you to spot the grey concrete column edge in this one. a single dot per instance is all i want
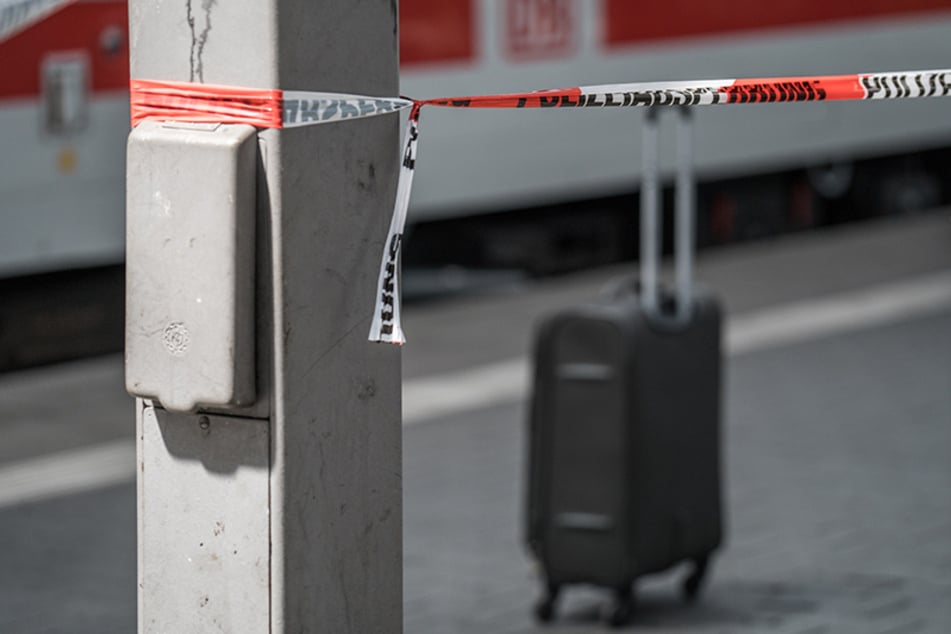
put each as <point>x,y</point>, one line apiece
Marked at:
<point>337,535</point>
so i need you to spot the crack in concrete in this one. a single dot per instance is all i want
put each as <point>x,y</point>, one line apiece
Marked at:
<point>395,11</point>
<point>198,40</point>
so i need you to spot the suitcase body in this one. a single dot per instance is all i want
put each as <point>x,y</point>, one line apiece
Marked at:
<point>624,449</point>
<point>624,428</point>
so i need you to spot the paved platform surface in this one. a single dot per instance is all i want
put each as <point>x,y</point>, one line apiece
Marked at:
<point>839,497</point>
<point>837,455</point>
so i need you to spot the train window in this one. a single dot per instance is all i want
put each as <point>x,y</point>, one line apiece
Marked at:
<point>65,92</point>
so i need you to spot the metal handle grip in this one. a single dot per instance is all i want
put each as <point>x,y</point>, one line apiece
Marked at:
<point>650,212</point>
<point>651,225</point>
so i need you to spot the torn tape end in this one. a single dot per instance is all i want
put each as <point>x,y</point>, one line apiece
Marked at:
<point>399,342</point>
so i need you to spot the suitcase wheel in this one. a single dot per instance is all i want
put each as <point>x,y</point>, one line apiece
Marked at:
<point>623,609</point>
<point>545,611</point>
<point>545,608</point>
<point>694,581</point>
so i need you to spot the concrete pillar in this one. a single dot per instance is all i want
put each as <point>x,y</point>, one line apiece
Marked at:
<point>285,515</point>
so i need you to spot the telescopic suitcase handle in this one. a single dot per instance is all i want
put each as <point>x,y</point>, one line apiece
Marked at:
<point>652,227</point>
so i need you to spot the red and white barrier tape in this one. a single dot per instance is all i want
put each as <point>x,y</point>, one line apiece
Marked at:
<point>207,103</point>
<point>929,83</point>
<point>17,15</point>
<point>386,326</point>
<point>182,101</point>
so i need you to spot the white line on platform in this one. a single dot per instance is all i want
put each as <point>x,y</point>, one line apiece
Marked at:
<point>482,386</point>
<point>67,472</point>
<point>507,381</point>
<point>812,319</point>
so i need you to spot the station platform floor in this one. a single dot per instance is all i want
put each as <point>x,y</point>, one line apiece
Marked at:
<point>837,456</point>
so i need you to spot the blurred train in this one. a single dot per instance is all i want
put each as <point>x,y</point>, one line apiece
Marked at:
<point>763,168</point>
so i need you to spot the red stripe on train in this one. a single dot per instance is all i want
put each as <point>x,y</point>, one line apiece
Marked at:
<point>436,31</point>
<point>95,28</point>
<point>628,22</point>
<point>431,31</point>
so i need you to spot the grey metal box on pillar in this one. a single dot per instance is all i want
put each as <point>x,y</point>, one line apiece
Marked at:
<point>190,264</point>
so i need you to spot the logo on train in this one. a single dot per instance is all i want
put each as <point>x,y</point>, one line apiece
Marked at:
<point>540,28</point>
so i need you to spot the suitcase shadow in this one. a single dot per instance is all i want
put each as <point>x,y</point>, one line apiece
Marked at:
<point>726,607</point>
<point>659,614</point>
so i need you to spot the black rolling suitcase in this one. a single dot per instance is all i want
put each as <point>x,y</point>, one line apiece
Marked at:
<point>624,429</point>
